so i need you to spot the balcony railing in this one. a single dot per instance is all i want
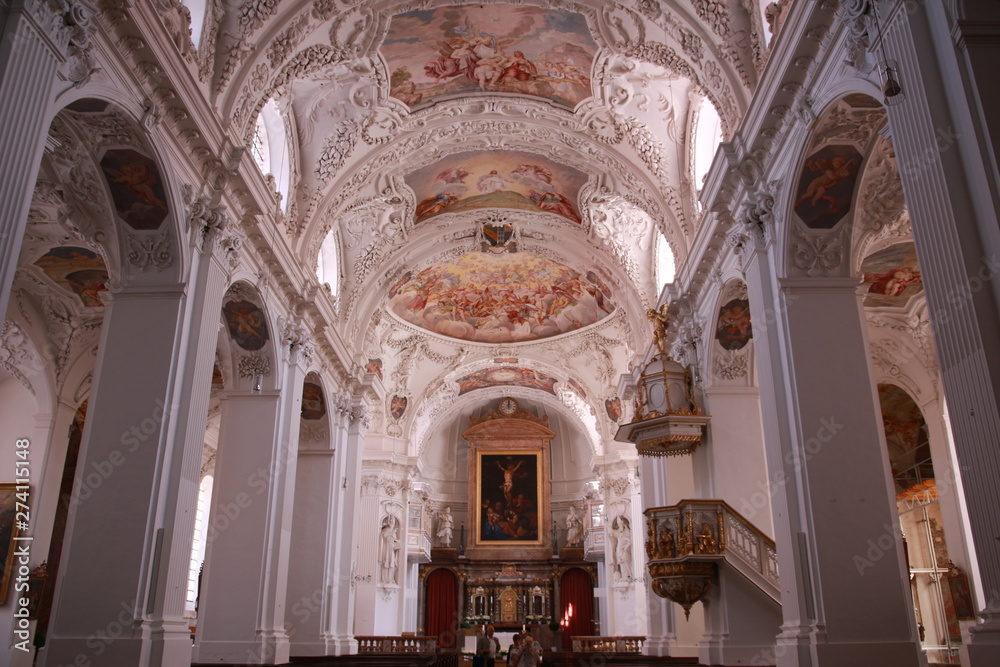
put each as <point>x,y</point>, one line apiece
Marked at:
<point>608,644</point>
<point>388,645</point>
<point>707,531</point>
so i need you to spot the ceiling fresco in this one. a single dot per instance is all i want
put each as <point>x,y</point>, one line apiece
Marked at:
<point>826,186</point>
<point>892,275</point>
<point>136,188</point>
<point>507,376</point>
<point>496,179</point>
<point>454,51</point>
<point>499,298</point>
<point>78,270</point>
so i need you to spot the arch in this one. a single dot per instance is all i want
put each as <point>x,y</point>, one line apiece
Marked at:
<point>730,355</point>
<point>576,605</point>
<point>140,216</point>
<point>272,151</point>
<point>314,423</point>
<point>441,607</point>
<point>822,201</point>
<point>248,335</point>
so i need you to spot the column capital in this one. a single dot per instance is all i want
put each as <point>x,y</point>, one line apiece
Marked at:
<point>66,25</point>
<point>296,341</point>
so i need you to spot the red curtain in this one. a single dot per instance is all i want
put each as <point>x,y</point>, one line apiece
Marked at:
<point>442,607</point>
<point>576,598</point>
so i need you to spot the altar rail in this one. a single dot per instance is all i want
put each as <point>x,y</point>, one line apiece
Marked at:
<point>608,644</point>
<point>396,644</point>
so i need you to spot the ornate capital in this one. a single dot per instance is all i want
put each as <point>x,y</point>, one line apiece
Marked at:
<point>206,221</point>
<point>68,25</point>
<point>296,339</point>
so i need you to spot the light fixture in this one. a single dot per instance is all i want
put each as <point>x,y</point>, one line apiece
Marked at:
<point>888,70</point>
<point>258,381</point>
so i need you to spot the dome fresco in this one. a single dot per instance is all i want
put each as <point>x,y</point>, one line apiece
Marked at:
<point>500,298</point>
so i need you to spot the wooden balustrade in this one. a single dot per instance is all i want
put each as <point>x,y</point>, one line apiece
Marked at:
<point>608,644</point>
<point>392,645</point>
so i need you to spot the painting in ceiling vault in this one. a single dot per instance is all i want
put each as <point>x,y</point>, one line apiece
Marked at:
<point>892,275</point>
<point>454,51</point>
<point>496,179</point>
<point>507,376</point>
<point>78,270</point>
<point>499,298</point>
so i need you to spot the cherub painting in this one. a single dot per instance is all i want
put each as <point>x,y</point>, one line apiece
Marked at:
<point>826,186</point>
<point>247,324</point>
<point>892,275</point>
<point>136,188</point>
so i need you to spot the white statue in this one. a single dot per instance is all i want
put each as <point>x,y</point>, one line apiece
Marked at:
<point>446,525</point>
<point>621,537</point>
<point>389,549</point>
<point>574,528</point>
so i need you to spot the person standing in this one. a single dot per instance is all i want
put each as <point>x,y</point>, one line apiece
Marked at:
<point>530,652</point>
<point>487,647</point>
<point>514,652</point>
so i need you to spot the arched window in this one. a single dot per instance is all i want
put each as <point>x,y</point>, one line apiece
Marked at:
<point>197,9</point>
<point>199,542</point>
<point>664,261</point>
<point>269,148</point>
<point>707,135</point>
<point>327,266</point>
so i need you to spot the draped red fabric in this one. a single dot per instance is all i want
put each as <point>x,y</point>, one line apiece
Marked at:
<point>576,596</point>
<point>442,607</point>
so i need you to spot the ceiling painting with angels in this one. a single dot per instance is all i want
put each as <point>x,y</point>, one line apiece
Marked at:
<point>453,51</point>
<point>496,179</point>
<point>500,298</point>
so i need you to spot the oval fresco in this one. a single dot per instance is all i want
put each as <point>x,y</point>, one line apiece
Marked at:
<point>247,324</point>
<point>313,403</point>
<point>454,51</point>
<point>733,330</point>
<point>500,298</point>
<point>496,179</point>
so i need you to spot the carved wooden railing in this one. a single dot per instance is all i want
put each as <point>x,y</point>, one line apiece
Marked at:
<point>396,644</point>
<point>608,644</point>
<point>685,542</point>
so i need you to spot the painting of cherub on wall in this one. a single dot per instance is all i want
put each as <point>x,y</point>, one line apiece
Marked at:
<point>826,186</point>
<point>496,179</point>
<point>892,275</point>
<point>453,51</point>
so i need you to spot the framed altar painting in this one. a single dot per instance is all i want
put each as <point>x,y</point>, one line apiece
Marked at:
<point>508,495</point>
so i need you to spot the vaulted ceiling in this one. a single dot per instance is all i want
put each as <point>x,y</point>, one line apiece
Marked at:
<point>492,180</point>
<point>496,177</point>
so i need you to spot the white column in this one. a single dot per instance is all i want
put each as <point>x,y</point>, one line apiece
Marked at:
<point>945,134</point>
<point>114,552</point>
<point>33,43</point>
<point>241,617</point>
<point>349,432</point>
<point>828,469</point>
<point>313,538</point>
<point>379,596</point>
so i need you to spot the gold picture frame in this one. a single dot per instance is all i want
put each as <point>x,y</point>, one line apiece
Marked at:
<point>8,534</point>
<point>509,498</point>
